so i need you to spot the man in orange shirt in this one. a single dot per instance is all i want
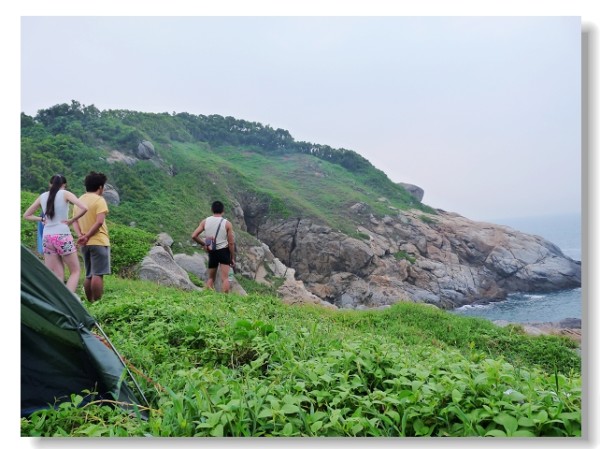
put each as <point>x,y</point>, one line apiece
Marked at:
<point>92,236</point>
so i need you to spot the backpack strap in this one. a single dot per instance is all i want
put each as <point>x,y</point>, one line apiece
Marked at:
<point>218,227</point>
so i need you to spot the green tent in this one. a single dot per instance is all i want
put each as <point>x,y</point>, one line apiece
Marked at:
<point>60,355</point>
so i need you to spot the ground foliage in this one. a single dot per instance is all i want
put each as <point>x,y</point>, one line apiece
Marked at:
<point>217,365</point>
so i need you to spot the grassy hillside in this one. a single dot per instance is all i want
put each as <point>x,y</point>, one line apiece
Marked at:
<point>200,159</point>
<point>217,365</point>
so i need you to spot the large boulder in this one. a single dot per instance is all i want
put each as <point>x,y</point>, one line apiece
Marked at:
<point>416,191</point>
<point>145,150</point>
<point>159,266</point>
<point>117,156</point>
<point>111,195</point>
<point>193,263</point>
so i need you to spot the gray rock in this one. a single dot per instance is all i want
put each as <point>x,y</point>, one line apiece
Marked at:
<point>145,150</point>
<point>359,208</point>
<point>570,323</point>
<point>164,239</point>
<point>416,191</point>
<point>160,267</point>
<point>195,264</point>
<point>111,195</point>
<point>117,156</point>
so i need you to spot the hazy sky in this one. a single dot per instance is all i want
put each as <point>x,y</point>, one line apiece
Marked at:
<point>483,113</point>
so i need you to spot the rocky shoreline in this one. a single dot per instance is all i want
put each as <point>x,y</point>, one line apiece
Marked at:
<point>442,259</point>
<point>569,327</point>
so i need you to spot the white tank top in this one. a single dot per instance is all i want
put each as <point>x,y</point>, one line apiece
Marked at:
<point>210,229</point>
<point>61,213</point>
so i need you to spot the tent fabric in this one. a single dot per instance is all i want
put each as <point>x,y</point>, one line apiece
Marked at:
<point>60,355</point>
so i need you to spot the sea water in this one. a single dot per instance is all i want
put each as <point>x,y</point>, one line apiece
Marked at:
<point>565,232</point>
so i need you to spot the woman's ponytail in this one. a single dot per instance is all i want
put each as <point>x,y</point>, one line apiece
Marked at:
<point>56,182</point>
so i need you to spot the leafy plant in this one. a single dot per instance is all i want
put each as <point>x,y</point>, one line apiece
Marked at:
<point>427,219</point>
<point>403,255</point>
<point>252,366</point>
<point>128,247</point>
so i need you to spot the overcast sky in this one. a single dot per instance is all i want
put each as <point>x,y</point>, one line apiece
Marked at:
<point>483,113</point>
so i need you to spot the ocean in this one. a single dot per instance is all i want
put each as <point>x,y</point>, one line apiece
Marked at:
<point>565,232</point>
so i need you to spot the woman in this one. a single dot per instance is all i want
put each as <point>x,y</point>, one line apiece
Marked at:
<point>57,241</point>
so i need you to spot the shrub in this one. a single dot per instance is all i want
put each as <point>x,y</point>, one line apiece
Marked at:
<point>28,228</point>
<point>403,255</point>
<point>128,247</point>
<point>427,219</point>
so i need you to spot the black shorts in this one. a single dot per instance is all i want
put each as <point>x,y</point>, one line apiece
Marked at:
<point>221,256</point>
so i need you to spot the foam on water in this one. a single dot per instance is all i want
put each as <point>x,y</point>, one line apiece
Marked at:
<point>565,232</point>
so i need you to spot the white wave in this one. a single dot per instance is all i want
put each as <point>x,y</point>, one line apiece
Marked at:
<point>530,296</point>
<point>473,306</point>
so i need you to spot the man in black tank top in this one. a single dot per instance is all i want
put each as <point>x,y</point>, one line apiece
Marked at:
<point>218,228</point>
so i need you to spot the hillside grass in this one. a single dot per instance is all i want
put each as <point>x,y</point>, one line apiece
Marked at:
<point>229,365</point>
<point>312,187</point>
<point>173,193</point>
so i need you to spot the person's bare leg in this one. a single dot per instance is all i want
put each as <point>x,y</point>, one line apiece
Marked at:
<point>55,264</point>
<point>212,275</point>
<point>96,287</point>
<point>72,262</point>
<point>224,269</point>
<point>87,288</point>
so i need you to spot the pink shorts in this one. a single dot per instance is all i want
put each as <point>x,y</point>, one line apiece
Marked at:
<point>60,244</point>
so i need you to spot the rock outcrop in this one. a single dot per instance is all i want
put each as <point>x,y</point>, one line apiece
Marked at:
<point>416,191</point>
<point>258,263</point>
<point>159,266</point>
<point>111,195</point>
<point>118,156</point>
<point>568,327</point>
<point>442,259</point>
<point>145,150</point>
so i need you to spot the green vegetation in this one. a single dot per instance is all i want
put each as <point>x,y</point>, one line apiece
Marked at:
<point>427,219</point>
<point>128,248</point>
<point>403,255</point>
<point>217,365</point>
<point>200,159</point>
<point>362,236</point>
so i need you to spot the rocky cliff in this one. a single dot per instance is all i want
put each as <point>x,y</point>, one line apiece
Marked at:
<point>443,259</point>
